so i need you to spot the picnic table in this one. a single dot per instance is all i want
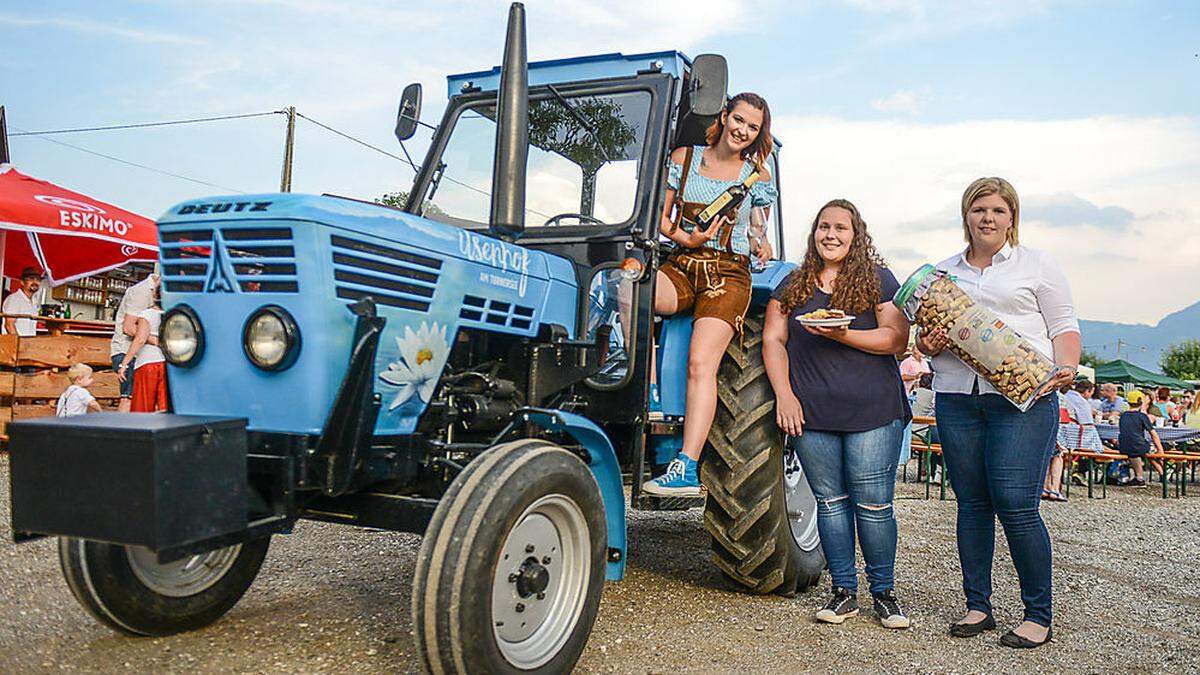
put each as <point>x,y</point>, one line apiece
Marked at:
<point>1168,435</point>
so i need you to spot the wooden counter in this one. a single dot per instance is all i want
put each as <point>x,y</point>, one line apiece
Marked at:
<point>56,326</point>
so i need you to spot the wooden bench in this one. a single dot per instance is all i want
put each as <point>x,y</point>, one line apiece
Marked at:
<point>1093,459</point>
<point>1182,461</point>
<point>925,450</point>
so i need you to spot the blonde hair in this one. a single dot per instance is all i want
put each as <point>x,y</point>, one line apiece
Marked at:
<point>79,371</point>
<point>983,187</point>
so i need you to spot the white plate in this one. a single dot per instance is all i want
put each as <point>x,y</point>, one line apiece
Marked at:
<point>827,323</point>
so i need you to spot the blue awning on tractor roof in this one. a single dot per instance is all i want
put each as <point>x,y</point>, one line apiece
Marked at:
<point>576,69</point>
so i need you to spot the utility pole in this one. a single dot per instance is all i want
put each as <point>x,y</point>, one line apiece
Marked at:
<point>285,181</point>
<point>4,158</point>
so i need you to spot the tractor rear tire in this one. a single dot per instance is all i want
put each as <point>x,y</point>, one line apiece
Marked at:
<point>125,588</point>
<point>756,542</point>
<point>510,572</point>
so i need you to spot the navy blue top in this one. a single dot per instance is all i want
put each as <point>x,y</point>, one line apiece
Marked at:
<point>1133,427</point>
<point>842,388</point>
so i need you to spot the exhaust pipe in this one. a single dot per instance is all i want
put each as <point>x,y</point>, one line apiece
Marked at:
<point>512,132</point>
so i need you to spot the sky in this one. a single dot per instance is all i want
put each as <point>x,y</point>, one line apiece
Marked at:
<point>1091,109</point>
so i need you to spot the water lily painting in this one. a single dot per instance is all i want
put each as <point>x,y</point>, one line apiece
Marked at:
<point>416,373</point>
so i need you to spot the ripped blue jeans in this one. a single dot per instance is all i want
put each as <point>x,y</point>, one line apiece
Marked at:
<point>853,475</point>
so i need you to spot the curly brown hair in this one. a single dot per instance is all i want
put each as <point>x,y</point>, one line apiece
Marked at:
<point>856,288</point>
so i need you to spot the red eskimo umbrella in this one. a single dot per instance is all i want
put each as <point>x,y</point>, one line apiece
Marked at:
<point>67,234</point>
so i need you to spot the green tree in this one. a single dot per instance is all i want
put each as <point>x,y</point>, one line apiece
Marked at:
<point>1182,360</point>
<point>398,199</point>
<point>591,135</point>
<point>1091,359</point>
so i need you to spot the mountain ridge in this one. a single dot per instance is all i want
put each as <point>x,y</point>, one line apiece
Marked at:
<point>1141,344</point>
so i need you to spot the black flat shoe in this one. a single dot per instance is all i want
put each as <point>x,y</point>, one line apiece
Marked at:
<point>1011,639</point>
<point>972,629</point>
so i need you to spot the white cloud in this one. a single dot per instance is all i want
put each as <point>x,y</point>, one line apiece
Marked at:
<point>99,28</point>
<point>903,101</point>
<point>915,18</point>
<point>907,178</point>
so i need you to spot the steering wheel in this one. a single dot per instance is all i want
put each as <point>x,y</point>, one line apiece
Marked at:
<point>554,220</point>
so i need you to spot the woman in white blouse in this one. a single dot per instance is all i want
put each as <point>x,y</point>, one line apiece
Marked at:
<point>997,455</point>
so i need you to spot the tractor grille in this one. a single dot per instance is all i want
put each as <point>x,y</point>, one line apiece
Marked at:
<point>390,276</point>
<point>229,260</point>
<point>495,312</point>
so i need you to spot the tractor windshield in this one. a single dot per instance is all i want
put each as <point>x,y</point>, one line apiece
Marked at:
<point>584,152</point>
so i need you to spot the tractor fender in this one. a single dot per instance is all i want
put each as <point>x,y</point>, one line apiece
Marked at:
<point>602,460</point>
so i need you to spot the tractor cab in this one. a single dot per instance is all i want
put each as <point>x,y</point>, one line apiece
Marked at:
<point>599,133</point>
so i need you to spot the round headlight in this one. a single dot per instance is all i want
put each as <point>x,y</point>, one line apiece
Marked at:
<point>181,337</point>
<point>271,339</point>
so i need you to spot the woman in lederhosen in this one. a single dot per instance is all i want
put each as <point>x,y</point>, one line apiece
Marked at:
<point>710,272</point>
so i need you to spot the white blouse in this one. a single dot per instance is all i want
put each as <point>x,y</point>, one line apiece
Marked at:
<point>1027,289</point>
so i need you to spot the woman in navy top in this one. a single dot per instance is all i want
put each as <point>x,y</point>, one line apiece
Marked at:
<point>839,392</point>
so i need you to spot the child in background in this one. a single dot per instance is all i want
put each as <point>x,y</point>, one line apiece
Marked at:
<point>77,400</point>
<point>149,370</point>
<point>1134,424</point>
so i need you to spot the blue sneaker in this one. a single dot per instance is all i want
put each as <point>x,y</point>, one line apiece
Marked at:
<point>680,480</point>
<point>655,411</point>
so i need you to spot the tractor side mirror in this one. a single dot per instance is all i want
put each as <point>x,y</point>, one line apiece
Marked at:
<point>709,83</point>
<point>409,113</point>
<point>703,99</point>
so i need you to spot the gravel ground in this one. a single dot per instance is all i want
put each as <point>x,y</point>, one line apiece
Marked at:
<point>336,599</point>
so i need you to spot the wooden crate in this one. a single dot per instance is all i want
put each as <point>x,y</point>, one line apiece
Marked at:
<point>26,393</point>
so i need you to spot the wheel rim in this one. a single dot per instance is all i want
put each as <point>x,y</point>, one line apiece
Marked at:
<point>181,578</point>
<point>541,581</point>
<point>801,504</point>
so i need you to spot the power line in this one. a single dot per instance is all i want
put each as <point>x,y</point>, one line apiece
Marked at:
<point>143,125</point>
<point>135,164</point>
<point>360,142</point>
<point>408,161</point>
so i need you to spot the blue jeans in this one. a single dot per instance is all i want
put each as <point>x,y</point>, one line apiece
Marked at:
<point>853,475</point>
<point>997,457</point>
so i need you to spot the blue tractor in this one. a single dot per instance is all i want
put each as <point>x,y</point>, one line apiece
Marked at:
<point>474,366</point>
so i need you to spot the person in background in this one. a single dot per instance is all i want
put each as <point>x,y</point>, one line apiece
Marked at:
<point>911,370</point>
<point>1095,400</point>
<point>1191,418</point>
<point>1134,425</point>
<point>1076,431</point>
<point>1111,405</point>
<point>839,392</point>
<point>21,301</point>
<point>1155,413</point>
<point>1170,412</point>
<point>138,298</point>
<point>150,371</point>
<point>996,453</point>
<point>77,400</point>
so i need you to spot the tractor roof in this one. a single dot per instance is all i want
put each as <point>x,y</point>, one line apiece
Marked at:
<point>579,68</point>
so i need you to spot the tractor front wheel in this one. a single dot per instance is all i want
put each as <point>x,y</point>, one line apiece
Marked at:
<point>510,572</point>
<point>127,589</point>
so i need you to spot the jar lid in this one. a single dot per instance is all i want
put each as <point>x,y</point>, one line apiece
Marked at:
<point>910,285</point>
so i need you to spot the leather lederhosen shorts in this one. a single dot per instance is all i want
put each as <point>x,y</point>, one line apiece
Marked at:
<point>711,283</point>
